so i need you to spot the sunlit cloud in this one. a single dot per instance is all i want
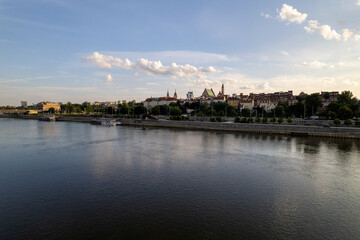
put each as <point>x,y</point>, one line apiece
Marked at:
<point>291,15</point>
<point>152,68</point>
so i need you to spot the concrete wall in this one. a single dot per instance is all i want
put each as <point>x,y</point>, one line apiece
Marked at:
<point>338,132</point>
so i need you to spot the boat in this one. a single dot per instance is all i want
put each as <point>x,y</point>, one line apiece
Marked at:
<point>47,118</point>
<point>108,122</point>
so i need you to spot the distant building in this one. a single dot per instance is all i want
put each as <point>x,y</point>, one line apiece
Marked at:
<point>219,99</point>
<point>23,103</point>
<point>152,102</point>
<point>45,106</point>
<point>190,95</point>
<point>208,93</point>
<point>233,101</point>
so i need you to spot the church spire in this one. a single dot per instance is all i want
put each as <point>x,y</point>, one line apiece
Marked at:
<point>175,94</point>
<point>167,94</point>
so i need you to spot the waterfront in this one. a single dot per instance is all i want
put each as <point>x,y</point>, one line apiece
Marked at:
<point>74,180</point>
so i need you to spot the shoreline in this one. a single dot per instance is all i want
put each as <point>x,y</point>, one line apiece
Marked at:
<point>274,129</point>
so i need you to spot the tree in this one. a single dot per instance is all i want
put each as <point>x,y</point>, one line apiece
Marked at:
<point>140,109</point>
<point>327,96</point>
<point>211,112</point>
<point>231,111</point>
<point>312,102</point>
<point>345,112</point>
<point>156,110</point>
<point>279,111</point>
<point>299,109</point>
<point>164,109</point>
<point>345,98</point>
<point>87,107</point>
<point>69,107</point>
<point>174,104</point>
<point>124,109</point>
<point>175,111</point>
<point>245,112</point>
<point>331,115</point>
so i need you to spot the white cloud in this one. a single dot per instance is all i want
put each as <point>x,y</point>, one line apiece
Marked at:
<point>108,78</point>
<point>265,15</point>
<point>346,34</point>
<point>357,37</point>
<point>314,64</point>
<point>285,53</point>
<point>149,67</point>
<point>180,57</point>
<point>358,3</point>
<point>290,14</point>
<point>324,30</point>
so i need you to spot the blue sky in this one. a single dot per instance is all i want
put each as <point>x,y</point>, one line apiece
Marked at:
<point>63,50</point>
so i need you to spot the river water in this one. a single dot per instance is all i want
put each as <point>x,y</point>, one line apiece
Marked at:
<point>61,180</point>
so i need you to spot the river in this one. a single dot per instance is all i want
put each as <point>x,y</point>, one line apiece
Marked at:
<point>62,180</point>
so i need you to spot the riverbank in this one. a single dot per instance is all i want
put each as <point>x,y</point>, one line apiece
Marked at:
<point>59,118</point>
<point>278,129</point>
<point>293,130</point>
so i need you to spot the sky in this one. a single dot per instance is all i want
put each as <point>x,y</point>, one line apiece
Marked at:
<point>108,50</point>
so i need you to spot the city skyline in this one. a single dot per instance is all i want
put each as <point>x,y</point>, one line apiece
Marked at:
<point>104,51</point>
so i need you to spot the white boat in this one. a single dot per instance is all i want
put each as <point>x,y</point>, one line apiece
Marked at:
<point>108,122</point>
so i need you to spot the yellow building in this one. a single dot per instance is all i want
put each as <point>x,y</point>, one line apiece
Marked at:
<point>45,106</point>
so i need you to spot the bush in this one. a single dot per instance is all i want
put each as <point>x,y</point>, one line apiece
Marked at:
<point>289,120</point>
<point>337,121</point>
<point>250,120</point>
<point>257,120</point>
<point>347,122</point>
<point>264,120</point>
<point>212,119</point>
<point>357,123</point>
<point>280,120</point>
<point>236,120</point>
<point>331,115</point>
<point>218,119</point>
<point>243,120</point>
<point>184,118</point>
<point>272,120</point>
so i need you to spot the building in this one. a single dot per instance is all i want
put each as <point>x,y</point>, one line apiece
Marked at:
<point>23,103</point>
<point>208,93</point>
<point>152,102</point>
<point>247,103</point>
<point>190,95</point>
<point>45,106</point>
<point>233,101</point>
<point>219,99</point>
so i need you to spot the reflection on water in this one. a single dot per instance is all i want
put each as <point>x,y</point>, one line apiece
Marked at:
<point>71,180</point>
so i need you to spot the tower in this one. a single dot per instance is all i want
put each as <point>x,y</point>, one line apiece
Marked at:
<point>167,94</point>
<point>175,94</point>
<point>222,90</point>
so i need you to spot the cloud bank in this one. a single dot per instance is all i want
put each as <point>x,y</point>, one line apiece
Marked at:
<point>153,68</point>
